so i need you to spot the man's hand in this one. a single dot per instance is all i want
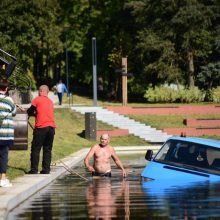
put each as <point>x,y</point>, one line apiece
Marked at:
<point>21,108</point>
<point>124,174</point>
<point>91,169</point>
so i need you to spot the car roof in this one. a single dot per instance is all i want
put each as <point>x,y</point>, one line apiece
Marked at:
<point>204,141</point>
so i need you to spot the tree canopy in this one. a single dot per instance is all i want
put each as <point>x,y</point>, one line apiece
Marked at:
<point>165,41</point>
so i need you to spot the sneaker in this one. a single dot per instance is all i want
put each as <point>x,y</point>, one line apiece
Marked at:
<point>5,183</point>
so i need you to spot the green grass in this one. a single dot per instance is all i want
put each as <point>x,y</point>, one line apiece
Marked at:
<point>87,101</point>
<point>68,139</point>
<point>169,121</point>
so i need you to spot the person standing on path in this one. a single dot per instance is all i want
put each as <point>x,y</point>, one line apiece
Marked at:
<point>61,89</point>
<point>43,134</point>
<point>102,153</point>
<point>7,111</point>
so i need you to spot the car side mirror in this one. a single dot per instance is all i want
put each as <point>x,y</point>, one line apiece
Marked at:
<point>149,155</point>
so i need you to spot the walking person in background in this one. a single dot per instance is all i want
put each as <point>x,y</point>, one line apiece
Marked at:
<point>61,89</point>
<point>7,111</point>
<point>102,153</point>
<point>43,135</point>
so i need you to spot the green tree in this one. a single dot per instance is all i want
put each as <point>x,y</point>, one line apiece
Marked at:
<point>175,38</point>
<point>209,77</point>
<point>28,30</point>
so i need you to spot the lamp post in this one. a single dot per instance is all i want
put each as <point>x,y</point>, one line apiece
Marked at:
<point>94,68</point>
<point>67,68</point>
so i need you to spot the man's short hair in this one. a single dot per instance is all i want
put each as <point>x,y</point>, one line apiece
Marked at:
<point>3,84</point>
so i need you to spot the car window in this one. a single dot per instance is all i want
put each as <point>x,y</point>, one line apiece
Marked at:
<point>197,156</point>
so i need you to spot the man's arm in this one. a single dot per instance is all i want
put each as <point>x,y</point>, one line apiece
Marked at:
<point>64,88</point>
<point>118,162</point>
<point>87,159</point>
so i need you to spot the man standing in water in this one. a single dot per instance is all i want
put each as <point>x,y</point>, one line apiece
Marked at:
<point>102,154</point>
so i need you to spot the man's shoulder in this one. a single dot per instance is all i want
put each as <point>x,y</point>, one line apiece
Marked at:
<point>95,146</point>
<point>110,146</point>
<point>42,99</point>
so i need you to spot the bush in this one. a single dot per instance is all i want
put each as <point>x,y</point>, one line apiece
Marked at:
<point>216,94</point>
<point>169,95</point>
<point>191,95</point>
<point>161,94</point>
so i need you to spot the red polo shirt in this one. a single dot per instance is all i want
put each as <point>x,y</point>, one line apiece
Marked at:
<point>45,112</point>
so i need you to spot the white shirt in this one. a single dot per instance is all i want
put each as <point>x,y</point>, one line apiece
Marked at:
<point>59,88</point>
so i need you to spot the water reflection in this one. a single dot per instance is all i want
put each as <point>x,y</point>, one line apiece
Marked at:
<point>102,198</point>
<point>198,200</point>
<point>114,198</point>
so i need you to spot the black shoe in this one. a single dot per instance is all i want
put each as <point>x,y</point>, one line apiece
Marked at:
<point>32,172</point>
<point>44,172</point>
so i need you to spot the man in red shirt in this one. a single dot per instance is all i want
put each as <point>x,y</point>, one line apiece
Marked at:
<point>43,134</point>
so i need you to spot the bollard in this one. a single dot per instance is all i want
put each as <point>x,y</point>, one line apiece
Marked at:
<point>90,125</point>
<point>70,99</point>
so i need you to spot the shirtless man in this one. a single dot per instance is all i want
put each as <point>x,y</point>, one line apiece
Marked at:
<point>102,154</point>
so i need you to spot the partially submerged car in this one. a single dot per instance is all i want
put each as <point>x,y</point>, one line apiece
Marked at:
<point>183,159</point>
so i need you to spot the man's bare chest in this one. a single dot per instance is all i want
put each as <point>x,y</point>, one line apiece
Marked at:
<point>102,153</point>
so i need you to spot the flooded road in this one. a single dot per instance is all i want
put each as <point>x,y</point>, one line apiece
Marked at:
<point>71,197</point>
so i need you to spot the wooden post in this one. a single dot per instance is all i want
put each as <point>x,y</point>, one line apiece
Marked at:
<point>124,81</point>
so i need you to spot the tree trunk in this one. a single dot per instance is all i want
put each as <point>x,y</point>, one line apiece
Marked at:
<point>38,66</point>
<point>191,82</point>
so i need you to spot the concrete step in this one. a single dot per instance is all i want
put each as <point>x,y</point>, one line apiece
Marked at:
<point>136,128</point>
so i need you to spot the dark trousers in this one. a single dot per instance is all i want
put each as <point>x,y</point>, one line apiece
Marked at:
<point>3,158</point>
<point>42,137</point>
<point>60,98</point>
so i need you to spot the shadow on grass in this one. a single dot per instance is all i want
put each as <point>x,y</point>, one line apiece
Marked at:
<point>18,168</point>
<point>82,134</point>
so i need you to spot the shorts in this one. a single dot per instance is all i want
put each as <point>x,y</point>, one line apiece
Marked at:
<point>107,174</point>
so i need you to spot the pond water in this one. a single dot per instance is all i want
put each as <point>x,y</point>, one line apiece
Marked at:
<point>71,197</point>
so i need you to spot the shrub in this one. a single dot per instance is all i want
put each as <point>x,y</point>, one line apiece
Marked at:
<point>216,94</point>
<point>164,94</point>
<point>161,94</point>
<point>191,95</point>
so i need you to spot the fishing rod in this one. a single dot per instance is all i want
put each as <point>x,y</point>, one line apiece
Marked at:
<point>72,172</point>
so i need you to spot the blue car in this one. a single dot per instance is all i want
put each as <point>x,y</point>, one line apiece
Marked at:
<point>184,159</point>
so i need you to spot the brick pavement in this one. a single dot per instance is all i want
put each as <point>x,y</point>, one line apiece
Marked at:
<point>173,110</point>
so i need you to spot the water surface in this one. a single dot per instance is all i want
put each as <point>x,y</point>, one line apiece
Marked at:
<point>71,197</point>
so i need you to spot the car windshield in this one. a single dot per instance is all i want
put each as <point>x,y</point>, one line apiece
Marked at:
<point>188,154</point>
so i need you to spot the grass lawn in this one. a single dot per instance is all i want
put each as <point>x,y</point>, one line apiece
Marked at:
<point>169,121</point>
<point>87,101</point>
